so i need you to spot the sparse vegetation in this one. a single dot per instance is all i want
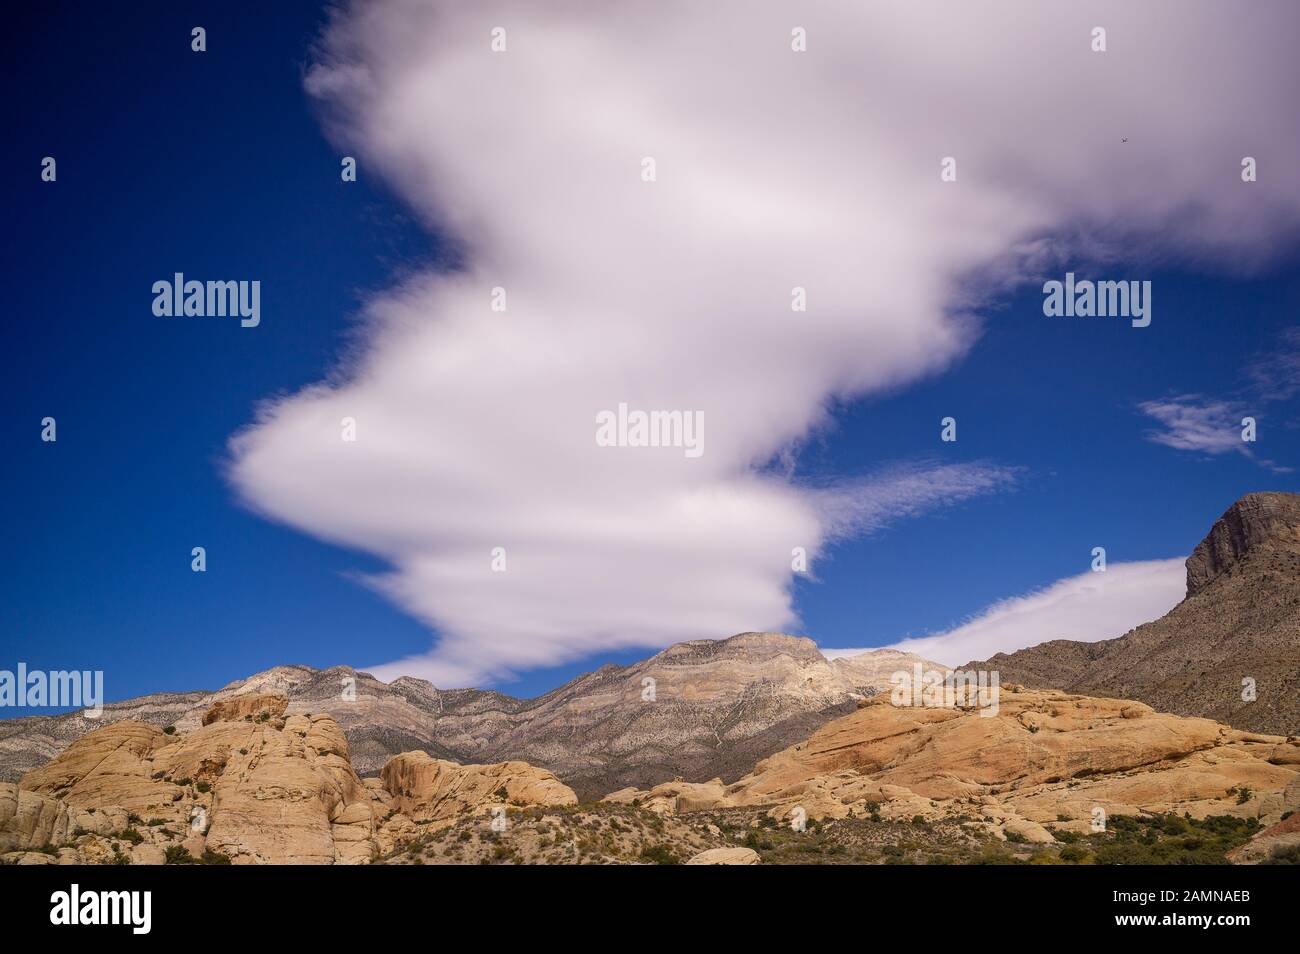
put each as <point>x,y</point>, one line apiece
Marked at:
<point>659,855</point>
<point>179,855</point>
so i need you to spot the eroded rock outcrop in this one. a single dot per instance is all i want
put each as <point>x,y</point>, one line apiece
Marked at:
<point>29,820</point>
<point>426,789</point>
<point>247,785</point>
<point>250,785</point>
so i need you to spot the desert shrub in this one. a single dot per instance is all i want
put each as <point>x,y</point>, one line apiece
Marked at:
<point>170,730</point>
<point>659,855</point>
<point>203,787</point>
<point>1290,855</point>
<point>211,857</point>
<point>179,855</point>
<point>130,834</point>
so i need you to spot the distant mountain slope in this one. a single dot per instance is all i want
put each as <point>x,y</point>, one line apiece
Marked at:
<point>698,709</point>
<point>1240,619</point>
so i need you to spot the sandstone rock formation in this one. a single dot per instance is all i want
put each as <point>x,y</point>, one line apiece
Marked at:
<point>29,820</point>
<point>241,785</point>
<point>726,856</point>
<point>1240,620</point>
<point>697,709</point>
<point>435,790</point>
<point>251,707</point>
<point>1045,756</point>
<point>249,785</point>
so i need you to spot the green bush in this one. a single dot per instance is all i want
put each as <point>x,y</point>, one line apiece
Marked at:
<point>179,855</point>
<point>659,855</point>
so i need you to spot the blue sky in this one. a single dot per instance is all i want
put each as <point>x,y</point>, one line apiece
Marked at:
<point>216,165</point>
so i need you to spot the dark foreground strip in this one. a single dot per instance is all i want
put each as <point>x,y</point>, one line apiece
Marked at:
<point>298,904</point>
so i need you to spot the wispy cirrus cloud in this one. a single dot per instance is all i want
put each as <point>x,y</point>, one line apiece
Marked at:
<point>1192,423</point>
<point>775,169</point>
<point>1086,607</point>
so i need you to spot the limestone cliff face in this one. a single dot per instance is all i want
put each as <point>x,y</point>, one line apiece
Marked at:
<point>1240,620</point>
<point>1264,521</point>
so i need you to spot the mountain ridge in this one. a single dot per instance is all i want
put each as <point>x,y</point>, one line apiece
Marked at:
<point>716,707</point>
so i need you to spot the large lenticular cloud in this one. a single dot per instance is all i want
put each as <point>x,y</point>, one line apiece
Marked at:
<point>775,169</point>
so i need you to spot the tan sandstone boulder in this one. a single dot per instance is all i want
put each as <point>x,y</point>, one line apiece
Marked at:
<point>726,856</point>
<point>437,791</point>
<point>30,820</point>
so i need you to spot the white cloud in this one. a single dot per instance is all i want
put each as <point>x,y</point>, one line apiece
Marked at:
<point>1191,422</point>
<point>1087,607</point>
<point>775,169</point>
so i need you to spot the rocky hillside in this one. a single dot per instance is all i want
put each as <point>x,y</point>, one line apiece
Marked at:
<point>696,710</point>
<point>1240,619</point>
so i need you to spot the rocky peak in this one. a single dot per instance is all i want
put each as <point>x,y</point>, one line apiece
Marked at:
<point>1256,520</point>
<point>751,647</point>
